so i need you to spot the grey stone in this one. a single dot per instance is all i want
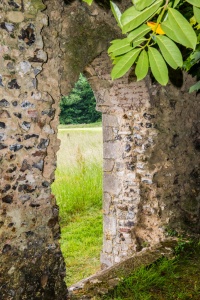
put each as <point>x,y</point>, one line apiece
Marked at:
<point>111,184</point>
<point>110,225</point>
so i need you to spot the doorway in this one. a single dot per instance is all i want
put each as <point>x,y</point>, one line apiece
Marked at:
<point>78,184</point>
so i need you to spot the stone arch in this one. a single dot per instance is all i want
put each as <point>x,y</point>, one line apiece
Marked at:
<point>151,145</point>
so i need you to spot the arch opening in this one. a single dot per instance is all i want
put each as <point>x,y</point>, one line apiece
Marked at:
<point>151,152</point>
<point>78,182</point>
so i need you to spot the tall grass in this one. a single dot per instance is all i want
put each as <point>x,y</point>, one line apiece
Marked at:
<point>78,190</point>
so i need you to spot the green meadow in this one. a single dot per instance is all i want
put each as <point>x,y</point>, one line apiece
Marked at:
<point>78,190</point>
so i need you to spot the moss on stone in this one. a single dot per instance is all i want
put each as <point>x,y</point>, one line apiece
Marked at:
<point>37,5</point>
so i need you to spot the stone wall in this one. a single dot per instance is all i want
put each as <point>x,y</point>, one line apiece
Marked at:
<point>31,263</point>
<point>151,160</point>
<point>151,144</point>
<point>37,48</point>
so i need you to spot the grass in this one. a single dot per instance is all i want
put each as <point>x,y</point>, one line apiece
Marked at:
<point>81,126</point>
<point>176,279</point>
<point>78,190</point>
<point>81,244</point>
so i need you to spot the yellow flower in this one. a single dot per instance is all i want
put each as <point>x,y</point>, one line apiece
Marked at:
<point>154,25</point>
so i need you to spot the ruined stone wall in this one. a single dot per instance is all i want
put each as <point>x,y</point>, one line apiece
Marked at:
<point>151,144</point>
<point>151,160</point>
<point>36,49</point>
<point>31,263</point>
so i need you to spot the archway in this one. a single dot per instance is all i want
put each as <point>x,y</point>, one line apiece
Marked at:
<point>78,182</point>
<point>151,147</point>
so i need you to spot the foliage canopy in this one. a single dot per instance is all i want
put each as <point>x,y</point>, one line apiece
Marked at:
<point>158,34</point>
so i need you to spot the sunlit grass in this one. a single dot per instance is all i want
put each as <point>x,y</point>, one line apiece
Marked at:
<point>81,126</point>
<point>79,145</point>
<point>78,190</point>
<point>81,244</point>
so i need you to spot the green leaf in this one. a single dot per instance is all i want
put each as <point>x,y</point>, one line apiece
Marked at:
<point>120,47</point>
<point>142,66</point>
<point>139,32</point>
<point>116,59</point>
<point>124,64</point>
<point>194,2</point>
<point>158,66</point>
<point>138,42</point>
<point>195,87</point>
<point>179,29</point>
<point>116,12</point>
<point>142,4</point>
<point>168,29</point>
<point>196,14</point>
<point>193,59</point>
<point>115,41</point>
<point>132,18</point>
<point>170,51</point>
<point>88,1</point>
<point>176,2</point>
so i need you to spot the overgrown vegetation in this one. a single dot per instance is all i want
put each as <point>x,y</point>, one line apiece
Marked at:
<point>78,190</point>
<point>158,34</point>
<point>176,279</point>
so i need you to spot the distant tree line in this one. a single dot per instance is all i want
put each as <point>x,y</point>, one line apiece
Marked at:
<point>79,106</point>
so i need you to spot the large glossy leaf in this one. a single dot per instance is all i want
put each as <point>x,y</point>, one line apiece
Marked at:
<point>194,2</point>
<point>116,12</point>
<point>125,63</point>
<point>170,51</point>
<point>197,13</point>
<point>139,32</point>
<point>158,66</point>
<point>142,66</point>
<point>179,29</point>
<point>142,4</point>
<point>120,47</point>
<point>167,27</point>
<point>133,18</point>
